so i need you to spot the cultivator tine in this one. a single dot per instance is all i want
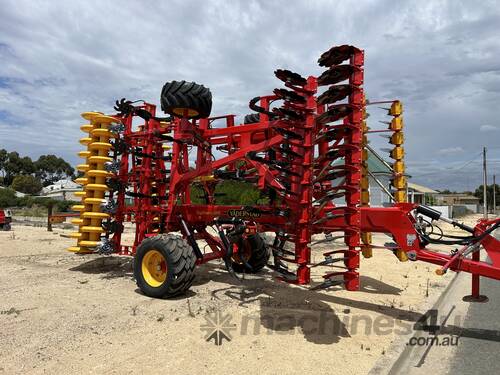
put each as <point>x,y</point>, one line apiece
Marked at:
<point>286,151</point>
<point>327,239</point>
<point>328,216</point>
<point>329,260</point>
<point>332,175</point>
<point>288,114</point>
<point>328,136</point>
<point>335,93</point>
<point>329,196</point>
<point>336,55</point>
<point>289,95</point>
<point>290,77</point>
<point>280,252</point>
<point>337,74</point>
<point>334,113</point>
<point>288,134</point>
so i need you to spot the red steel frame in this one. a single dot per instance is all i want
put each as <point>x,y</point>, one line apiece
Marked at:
<point>159,181</point>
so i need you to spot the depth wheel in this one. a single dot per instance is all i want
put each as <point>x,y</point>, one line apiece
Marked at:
<point>164,266</point>
<point>186,99</point>
<point>254,250</point>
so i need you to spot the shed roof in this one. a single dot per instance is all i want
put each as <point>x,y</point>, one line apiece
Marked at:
<point>420,189</point>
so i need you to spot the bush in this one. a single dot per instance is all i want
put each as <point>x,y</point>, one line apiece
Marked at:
<point>26,184</point>
<point>64,206</point>
<point>7,198</point>
<point>231,193</point>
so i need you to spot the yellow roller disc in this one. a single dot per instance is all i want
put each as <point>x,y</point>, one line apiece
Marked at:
<point>85,140</point>
<point>93,200</point>
<point>75,235</point>
<point>78,207</point>
<point>80,193</point>
<point>100,146</point>
<point>99,159</point>
<point>84,154</point>
<point>103,119</point>
<point>81,180</point>
<point>86,128</point>
<point>92,229</point>
<point>74,249</point>
<point>90,115</point>
<point>77,221</point>
<point>98,173</point>
<point>99,187</point>
<point>100,132</point>
<point>95,215</point>
<point>89,243</point>
<point>82,167</point>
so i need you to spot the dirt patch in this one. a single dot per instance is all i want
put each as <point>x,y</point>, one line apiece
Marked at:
<point>62,312</point>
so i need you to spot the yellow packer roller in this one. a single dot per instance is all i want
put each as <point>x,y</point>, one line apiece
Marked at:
<point>94,180</point>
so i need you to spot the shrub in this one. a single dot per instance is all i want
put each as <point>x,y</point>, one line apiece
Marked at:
<point>7,198</point>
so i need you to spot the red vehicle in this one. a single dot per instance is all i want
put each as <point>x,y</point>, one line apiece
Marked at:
<point>303,148</point>
<point>5,219</point>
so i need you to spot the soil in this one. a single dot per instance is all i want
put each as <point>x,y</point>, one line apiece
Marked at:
<point>63,313</point>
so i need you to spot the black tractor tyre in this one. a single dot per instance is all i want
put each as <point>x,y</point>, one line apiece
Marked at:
<point>179,98</point>
<point>252,118</point>
<point>6,227</point>
<point>176,256</point>
<point>258,257</point>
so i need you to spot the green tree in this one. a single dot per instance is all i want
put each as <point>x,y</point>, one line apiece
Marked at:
<point>3,160</point>
<point>489,194</point>
<point>446,191</point>
<point>12,167</point>
<point>7,198</point>
<point>50,168</point>
<point>27,184</point>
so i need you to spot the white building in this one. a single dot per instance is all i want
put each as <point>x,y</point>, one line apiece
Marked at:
<point>63,190</point>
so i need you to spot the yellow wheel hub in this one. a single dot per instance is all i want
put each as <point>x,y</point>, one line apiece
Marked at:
<point>154,268</point>
<point>182,111</point>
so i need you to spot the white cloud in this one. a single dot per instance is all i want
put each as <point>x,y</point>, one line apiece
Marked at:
<point>451,150</point>
<point>489,128</point>
<point>60,58</point>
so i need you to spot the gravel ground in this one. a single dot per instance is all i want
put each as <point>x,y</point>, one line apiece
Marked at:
<point>62,313</point>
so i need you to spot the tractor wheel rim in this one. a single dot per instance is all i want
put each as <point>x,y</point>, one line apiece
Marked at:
<point>181,111</point>
<point>154,268</point>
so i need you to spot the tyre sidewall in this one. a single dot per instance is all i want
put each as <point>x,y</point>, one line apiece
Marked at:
<point>149,244</point>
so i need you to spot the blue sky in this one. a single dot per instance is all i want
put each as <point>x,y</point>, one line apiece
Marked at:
<point>441,58</point>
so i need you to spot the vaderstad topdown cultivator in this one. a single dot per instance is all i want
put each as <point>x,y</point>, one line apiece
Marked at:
<point>304,148</point>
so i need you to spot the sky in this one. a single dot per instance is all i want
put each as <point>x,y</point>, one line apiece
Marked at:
<point>440,58</point>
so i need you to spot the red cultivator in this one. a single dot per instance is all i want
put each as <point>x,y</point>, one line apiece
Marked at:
<point>302,149</point>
